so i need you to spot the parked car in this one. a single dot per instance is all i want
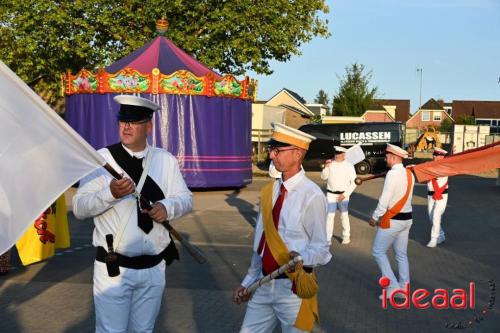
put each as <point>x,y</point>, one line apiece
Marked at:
<point>373,138</point>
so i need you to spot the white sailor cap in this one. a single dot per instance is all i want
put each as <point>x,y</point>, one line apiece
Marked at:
<point>287,136</point>
<point>339,149</point>
<point>134,108</point>
<point>398,151</point>
<point>439,152</point>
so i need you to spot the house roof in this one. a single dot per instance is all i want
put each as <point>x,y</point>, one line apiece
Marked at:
<point>402,107</point>
<point>299,111</point>
<point>432,104</point>
<point>296,96</point>
<point>478,109</point>
<point>376,107</point>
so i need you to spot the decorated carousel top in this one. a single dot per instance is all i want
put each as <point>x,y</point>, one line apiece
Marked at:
<point>159,67</point>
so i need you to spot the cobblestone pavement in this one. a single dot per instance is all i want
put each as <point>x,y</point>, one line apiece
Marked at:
<point>56,295</point>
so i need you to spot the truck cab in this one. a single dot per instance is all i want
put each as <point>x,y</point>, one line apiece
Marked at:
<point>372,136</point>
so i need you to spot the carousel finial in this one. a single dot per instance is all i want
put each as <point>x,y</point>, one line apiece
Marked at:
<point>161,26</point>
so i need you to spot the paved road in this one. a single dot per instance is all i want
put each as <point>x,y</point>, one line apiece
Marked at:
<point>56,295</point>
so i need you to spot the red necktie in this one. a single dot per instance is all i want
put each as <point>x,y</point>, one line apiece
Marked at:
<point>268,262</point>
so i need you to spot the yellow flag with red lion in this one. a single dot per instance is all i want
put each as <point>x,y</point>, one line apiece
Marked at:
<point>49,232</point>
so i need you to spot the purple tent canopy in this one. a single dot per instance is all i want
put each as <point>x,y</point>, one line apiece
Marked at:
<point>160,53</point>
<point>209,134</point>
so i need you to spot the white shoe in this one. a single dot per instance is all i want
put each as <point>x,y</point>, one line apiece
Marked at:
<point>432,243</point>
<point>346,241</point>
<point>441,239</point>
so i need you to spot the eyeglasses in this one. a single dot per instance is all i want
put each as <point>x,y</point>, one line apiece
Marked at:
<point>277,150</point>
<point>133,123</point>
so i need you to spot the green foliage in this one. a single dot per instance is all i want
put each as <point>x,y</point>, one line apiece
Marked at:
<point>465,120</point>
<point>322,98</point>
<point>445,126</point>
<point>354,96</point>
<point>40,39</point>
<point>316,119</point>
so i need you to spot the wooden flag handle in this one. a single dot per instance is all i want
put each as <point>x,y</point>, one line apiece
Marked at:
<point>360,180</point>
<point>194,251</point>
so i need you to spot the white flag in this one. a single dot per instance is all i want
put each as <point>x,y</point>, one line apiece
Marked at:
<point>355,154</point>
<point>40,157</point>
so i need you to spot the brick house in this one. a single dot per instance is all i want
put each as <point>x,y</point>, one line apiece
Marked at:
<point>296,112</point>
<point>484,112</point>
<point>432,113</point>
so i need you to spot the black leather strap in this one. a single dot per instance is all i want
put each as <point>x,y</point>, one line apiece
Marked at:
<point>133,167</point>
<point>335,192</point>
<point>432,192</point>
<point>139,262</point>
<point>402,216</point>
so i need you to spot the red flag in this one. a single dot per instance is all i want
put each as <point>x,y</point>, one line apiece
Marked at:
<point>470,161</point>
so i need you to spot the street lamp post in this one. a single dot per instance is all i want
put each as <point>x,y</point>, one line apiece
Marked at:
<point>420,98</point>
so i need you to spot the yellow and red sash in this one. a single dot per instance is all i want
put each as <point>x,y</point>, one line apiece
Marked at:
<point>308,312</point>
<point>385,221</point>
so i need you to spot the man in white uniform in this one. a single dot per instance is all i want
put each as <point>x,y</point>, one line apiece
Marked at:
<point>136,247</point>
<point>393,218</point>
<point>437,198</point>
<point>340,175</point>
<point>299,211</point>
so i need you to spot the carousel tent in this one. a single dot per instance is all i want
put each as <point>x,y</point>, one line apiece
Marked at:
<point>205,118</point>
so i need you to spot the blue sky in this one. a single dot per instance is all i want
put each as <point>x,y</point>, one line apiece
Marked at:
<point>455,42</point>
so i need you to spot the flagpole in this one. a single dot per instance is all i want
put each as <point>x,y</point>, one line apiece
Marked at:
<point>194,251</point>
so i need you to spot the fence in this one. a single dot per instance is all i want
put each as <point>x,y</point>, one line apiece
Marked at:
<point>259,139</point>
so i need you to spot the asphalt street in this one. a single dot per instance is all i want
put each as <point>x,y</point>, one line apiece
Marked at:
<point>56,295</point>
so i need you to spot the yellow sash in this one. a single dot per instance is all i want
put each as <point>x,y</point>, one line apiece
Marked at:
<point>308,312</point>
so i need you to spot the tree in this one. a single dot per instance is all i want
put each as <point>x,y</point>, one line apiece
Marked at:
<point>40,39</point>
<point>354,96</point>
<point>322,98</point>
<point>445,126</point>
<point>465,120</point>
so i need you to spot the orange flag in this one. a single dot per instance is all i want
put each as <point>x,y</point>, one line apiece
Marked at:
<point>470,161</point>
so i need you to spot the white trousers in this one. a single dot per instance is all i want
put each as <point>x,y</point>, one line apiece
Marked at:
<point>342,206</point>
<point>436,208</point>
<point>272,303</point>
<point>129,302</point>
<point>397,237</point>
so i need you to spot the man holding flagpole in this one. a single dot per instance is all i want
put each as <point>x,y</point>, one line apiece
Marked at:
<point>291,222</point>
<point>133,247</point>
<point>393,218</point>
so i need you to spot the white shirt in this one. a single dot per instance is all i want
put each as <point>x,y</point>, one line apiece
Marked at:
<point>394,189</point>
<point>440,180</point>
<point>340,177</point>
<point>119,216</point>
<point>302,224</point>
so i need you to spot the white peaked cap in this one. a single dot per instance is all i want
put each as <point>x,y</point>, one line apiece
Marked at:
<point>396,151</point>
<point>291,136</point>
<point>136,101</point>
<point>340,149</point>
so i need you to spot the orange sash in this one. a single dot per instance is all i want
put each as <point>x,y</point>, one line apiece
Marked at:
<point>385,221</point>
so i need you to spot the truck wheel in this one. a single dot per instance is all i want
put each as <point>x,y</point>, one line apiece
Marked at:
<point>363,168</point>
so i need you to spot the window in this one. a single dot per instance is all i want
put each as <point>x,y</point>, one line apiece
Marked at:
<point>437,116</point>
<point>426,116</point>
<point>483,122</point>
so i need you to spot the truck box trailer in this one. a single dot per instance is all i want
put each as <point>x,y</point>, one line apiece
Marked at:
<point>372,136</point>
